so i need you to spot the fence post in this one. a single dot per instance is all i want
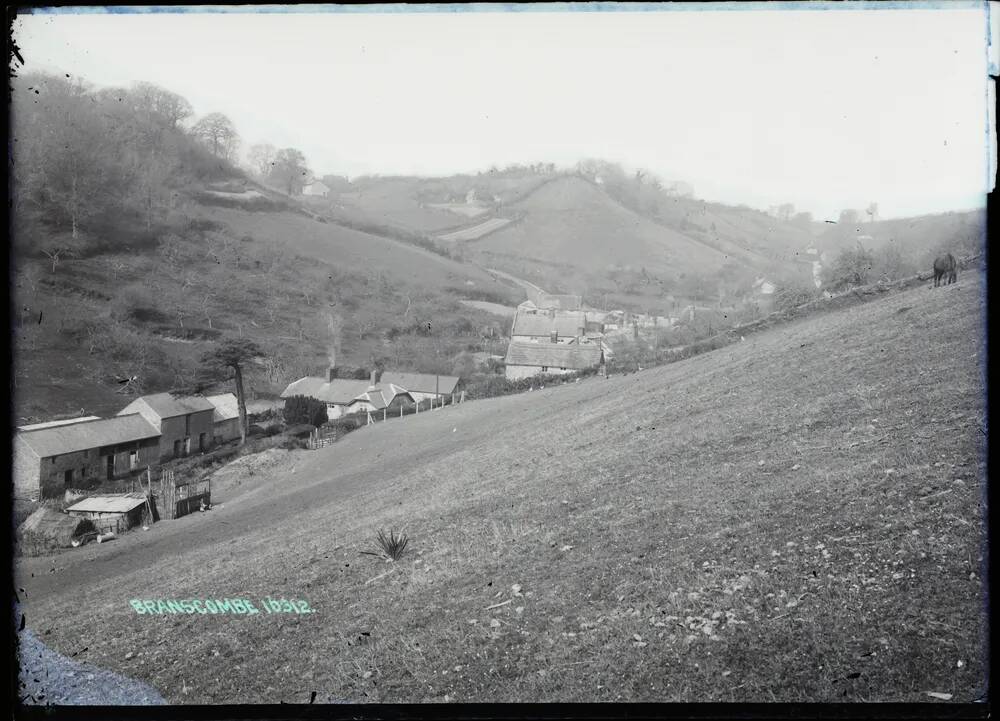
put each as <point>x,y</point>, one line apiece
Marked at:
<point>400,410</point>
<point>385,412</point>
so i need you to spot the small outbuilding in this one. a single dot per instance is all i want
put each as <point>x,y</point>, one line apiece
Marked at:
<point>118,512</point>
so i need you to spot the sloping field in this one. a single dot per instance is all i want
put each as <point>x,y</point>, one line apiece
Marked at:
<point>349,249</point>
<point>793,518</point>
<point>572,221</point>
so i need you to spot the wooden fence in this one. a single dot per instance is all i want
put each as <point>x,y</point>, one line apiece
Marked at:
<point>184,497</point>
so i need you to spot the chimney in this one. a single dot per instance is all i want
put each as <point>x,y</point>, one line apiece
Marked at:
<point>332,373</point>
<point>554,336</point>
<point>374,377</point>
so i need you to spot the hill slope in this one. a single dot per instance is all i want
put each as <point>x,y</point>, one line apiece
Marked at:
<point>696,532</point>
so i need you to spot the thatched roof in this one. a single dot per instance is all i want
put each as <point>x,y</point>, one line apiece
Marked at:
<point>57,528</point>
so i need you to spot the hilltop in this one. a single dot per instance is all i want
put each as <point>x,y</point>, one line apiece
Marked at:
<point>701,531</point>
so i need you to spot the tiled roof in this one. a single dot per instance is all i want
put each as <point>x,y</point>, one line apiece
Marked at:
<point>382,396</point>
<point>554,355</point>
<point>226,407</point>
<point>421,382</point>
<point>166,405</point>
<point>540,324</point>
<point>86,435</point>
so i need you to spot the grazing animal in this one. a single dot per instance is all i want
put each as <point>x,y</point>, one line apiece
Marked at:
<point>945,269</point>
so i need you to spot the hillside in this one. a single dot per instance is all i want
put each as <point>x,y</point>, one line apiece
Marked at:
<point>701,531</point>
<point>137,247</point>
<point>569,230</point>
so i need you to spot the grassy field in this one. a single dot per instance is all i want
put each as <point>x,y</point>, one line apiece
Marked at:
<point>798,517</point>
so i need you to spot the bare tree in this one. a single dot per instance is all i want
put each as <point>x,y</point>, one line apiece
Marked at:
<point>218,133</point>
<point>261,157</point>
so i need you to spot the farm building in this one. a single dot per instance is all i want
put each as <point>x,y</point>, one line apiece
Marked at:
<point>225,418</point>
<point>548,326</point>
<point>421,386</point>
<point>529,359</point>
<point>118,512</point>
<point>337,393</point>
<point>49,460</point>
<point>185,422</point>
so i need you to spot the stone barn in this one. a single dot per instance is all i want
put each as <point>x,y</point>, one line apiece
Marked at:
<point>49,460</point>
<point>185,423</point>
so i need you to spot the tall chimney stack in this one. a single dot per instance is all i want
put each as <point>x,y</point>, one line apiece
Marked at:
<point>374,377</point>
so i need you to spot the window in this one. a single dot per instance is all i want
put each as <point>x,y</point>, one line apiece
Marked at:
<point>544,368</point>
<point>133,459</point>
<point>562,368</point>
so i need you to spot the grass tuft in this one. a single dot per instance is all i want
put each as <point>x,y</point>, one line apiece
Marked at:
<point>391,545</point>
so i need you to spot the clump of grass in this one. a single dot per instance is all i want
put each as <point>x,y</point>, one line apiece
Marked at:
<point>390,545</point>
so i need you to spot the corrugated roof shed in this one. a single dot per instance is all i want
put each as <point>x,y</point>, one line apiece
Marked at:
<point>57,440</point>
<point>166,405</point>
<point>554,355</point>
<point>421,382</point>
<point>53,424</point>
<point>226,407</point>
<point>108,504</point>
<point>540,324</point>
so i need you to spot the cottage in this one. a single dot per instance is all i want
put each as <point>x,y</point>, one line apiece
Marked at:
<point>225,418</point>
<point>552,326</point>
<point>116,512</point>
<point>182,421</point>
<point>381,397</point>
<point>337,393</point>
<point>422,386</point>
<point>525,359</point>
<point>49,460</point>
<point>318,189</point>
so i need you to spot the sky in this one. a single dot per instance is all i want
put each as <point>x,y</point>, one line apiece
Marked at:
<point>823,107</point>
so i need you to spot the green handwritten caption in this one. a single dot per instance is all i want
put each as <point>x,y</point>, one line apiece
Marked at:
<point>234,606</point>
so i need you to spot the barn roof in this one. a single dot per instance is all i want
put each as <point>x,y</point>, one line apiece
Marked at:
<point>47,442</point>
<point>53,424</point>
<point>554,355</point>
<point>565,323</point>
<point>166,405</point>
<point>117,503</point>
<point>421,382</point>
<point>226,407</point>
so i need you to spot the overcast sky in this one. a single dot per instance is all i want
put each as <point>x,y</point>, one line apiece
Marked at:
<point>823,108</point>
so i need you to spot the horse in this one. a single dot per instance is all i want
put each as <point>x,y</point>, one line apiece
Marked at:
<point>945,265</point>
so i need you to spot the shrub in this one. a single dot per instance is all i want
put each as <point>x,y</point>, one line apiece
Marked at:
<point>303,409</point>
